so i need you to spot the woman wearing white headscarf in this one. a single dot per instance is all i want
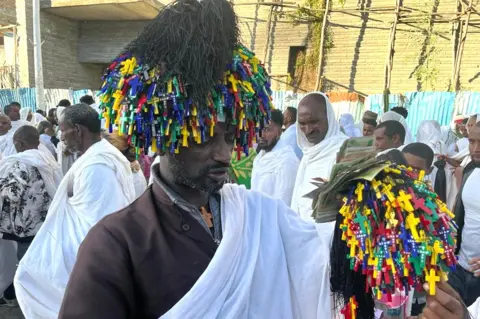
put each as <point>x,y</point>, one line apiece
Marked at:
<point>32,118</point>
<point>442,176</point>
<point>347,122</point>
<point>392,116</point>
<point>318,159</point>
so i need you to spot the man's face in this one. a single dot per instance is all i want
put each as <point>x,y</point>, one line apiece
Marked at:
<point>70,136</point>
<point>287,118</point>
<point>5,125</point>
<point>312,120</point>
<point>50,131</point>
<point>270,136</point>
<point>204,166</point>
<point>368,129</point>
<point>470,124</point>
<point>462,128</point>
<point>383,142</point>
<point>474,139</point>
<point>416,162</point>
<point>14,114</point>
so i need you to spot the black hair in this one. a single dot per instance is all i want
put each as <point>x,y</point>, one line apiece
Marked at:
<point>393,156</point>
<point>276,117</point>
<point>50,112</point>
<point>41,112</point>
<point>293,112</point>
<point>16,104</point>
<point>194,39</point>
<point>84,115</point>
<point>87,99</point>
<point>465,121</point>
<point>64,103</point>
<point>345,282</point>
<point>401,110</point>
<point>421,150</point>
<point>43,125</point>
<point>27,133</point>
<point>393,128</point>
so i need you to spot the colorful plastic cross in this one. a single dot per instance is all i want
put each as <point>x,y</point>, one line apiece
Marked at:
<point>359,192</point>
<point>424,251</point>
<point>436,250</point>
<point>405,198</point>
<point>353,246</point>
<point>412,223</point>
<point>432,280</point>
<point>361,220</point>
<point>385,244</point>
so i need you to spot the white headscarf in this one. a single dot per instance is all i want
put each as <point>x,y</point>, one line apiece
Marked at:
<point>24,111</point>
<point>393,116</point>
<point>430,133</point>
<point>347,122</point>
<point>317,162</point>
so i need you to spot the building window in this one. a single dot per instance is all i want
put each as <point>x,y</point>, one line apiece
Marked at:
<point>296,58</point>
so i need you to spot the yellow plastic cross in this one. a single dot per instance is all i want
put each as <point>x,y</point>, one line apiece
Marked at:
<point>392,265</point>
<point>437,249</point>
<point>232,80</point>
<point>388,191</point>
<point>359,192</point>
<point>353,246</point>
<point>412,223</point>
<point>405,199</point>
<point>432,280</point>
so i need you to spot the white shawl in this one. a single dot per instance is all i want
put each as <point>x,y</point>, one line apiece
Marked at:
<point>347,122</point>
<point>274,173</point>
<point>393,116</point>
<point>474,309</point>
<point>270,264</point>
<point>317,161</point>
<point>6,144</point>
<point>43,273</point>
<point>40,158</point>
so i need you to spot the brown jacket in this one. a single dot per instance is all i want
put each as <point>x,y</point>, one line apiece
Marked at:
<point>139,262</point>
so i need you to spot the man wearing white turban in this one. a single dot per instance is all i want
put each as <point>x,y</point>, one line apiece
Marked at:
<point>320,139</point>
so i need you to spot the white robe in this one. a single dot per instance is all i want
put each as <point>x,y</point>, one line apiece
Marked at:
<point>347,122</point>
<point>139,183</point>
<point>317,161</point>
<point>6,144</point>
<point>99,183</point>
<point>51,175</point>
<point>274,173</point>
<point>270,264</point>
<point>474,309</point>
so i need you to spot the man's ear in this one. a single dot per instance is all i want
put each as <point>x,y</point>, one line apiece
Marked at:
<point>396,139</point>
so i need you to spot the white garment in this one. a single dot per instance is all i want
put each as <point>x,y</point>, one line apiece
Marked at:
<point>317,162</point>
<point>24,111</point>
<point>463,144</point>
<point>393,116</point>
<point>17,124</point>
<point>139,183</point>
<point>274,173</point>
<point>6,144</point>
<point>40,158</point>
<point>270,264</point>
<point>347,122</point>
<point>474,309</point>
<point>99,183</point>
<point>37,118</point>
<point>46,140</point>
<point>470,248</point>
<point>289,138</point>
<point>155,161</point>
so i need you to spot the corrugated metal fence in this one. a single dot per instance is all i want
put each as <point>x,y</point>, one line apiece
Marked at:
<point>440,106</point>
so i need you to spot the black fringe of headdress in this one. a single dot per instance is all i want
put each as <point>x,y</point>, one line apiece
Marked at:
<point>192,38</point>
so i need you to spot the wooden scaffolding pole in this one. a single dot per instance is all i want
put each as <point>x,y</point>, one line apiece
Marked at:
<point>318,85</point>
<point>461,45</point>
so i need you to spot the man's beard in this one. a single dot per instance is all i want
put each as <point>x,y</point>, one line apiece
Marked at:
<point>268,147</point>
<point>199,182</point>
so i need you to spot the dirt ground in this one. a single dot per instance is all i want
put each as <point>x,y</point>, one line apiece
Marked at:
<point>10,313</point>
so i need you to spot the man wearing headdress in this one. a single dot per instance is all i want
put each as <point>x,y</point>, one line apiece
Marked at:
<point>191,247</point>
<point>99,183</point>
<point>369,120</point>
<point>275,167</point>
<point>320,138</point>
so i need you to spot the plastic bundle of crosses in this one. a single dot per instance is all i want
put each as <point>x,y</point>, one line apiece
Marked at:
<point>399,234</point>
<point>157,111</point>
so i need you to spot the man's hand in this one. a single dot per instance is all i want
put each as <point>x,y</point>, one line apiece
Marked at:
<point>475,266</point>
<point>446,304</point>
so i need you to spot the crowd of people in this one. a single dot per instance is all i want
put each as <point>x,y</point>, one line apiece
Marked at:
<point>83,236</point>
